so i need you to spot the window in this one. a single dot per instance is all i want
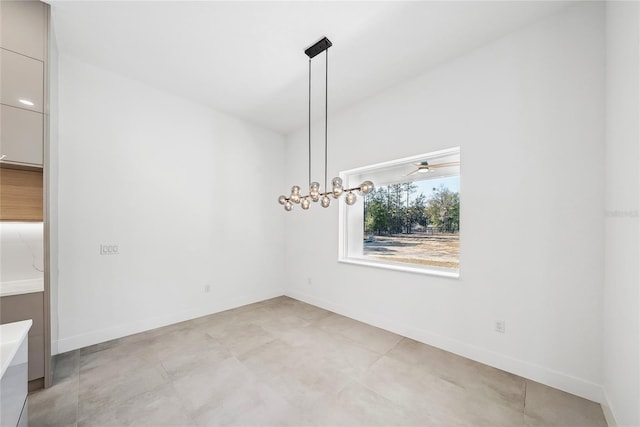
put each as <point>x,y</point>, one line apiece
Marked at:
<point>411,221</point>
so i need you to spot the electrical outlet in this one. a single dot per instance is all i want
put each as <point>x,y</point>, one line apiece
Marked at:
<point>109,249</point>
<point>501,326</point>
<point>207,288</point>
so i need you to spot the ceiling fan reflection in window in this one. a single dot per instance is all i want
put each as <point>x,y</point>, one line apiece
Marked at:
<point>425,166</point>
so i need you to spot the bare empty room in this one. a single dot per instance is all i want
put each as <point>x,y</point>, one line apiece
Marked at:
<point>320,213</point>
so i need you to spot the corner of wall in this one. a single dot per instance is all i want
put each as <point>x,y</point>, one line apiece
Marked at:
<point>607,410</point>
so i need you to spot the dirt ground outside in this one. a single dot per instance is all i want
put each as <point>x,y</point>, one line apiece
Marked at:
<point>438,250</point>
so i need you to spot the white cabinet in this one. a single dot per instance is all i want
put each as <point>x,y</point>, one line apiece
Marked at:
<point>23,27</point>
<point>21,81</point>
<point>14,352</point>
<point>21,134</point>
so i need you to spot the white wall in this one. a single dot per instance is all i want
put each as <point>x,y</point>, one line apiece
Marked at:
<point>527,111</point>
<point>184,192</point>
<point>622,256</point>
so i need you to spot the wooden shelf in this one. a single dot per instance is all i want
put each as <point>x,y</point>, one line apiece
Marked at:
<point>21,195</point>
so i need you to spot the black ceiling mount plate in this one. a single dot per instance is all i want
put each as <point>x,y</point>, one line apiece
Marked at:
<point>318,47</point>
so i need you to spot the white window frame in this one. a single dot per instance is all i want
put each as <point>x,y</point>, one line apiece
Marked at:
<point>351,218</point>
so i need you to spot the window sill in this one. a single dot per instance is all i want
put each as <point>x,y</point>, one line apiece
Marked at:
<point>451,274</point>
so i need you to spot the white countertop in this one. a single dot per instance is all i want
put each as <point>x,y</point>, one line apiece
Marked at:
<point>19,287</point>
<point>11,337</point>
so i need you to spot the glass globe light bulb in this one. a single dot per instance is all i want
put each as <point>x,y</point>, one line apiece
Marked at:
<point>366,187</point>
<point>288,206</point>
<point>295,194</point>
<point>325,202</point>
<point>350,198</point>
<point>305,203</point>
<point>337,181</point>
<point>282,199</point>
<point>314,191</point>
<point>337,190</point>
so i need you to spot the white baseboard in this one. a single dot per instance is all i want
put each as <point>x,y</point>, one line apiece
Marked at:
<point>541,374</point>
<point>94,337</point>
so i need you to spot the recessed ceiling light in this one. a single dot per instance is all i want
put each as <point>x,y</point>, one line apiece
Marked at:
<point>26,102</point>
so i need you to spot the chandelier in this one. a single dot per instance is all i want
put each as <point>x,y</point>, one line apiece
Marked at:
<point>337,188</point>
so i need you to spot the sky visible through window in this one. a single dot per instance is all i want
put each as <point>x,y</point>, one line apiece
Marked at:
<point>427,185</point>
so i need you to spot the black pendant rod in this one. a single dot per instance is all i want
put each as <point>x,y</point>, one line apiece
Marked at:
<point>309,122</point>
<point>318,47</point>
<point>326,99</point>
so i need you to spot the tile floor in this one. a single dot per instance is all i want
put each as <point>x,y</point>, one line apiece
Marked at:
<point>284,362</point>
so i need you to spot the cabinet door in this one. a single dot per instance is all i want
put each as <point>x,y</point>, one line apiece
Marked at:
<point>22,27</point>
<point>13,388</point>
<point>21,136</point>
<point>21,81</point>
<point>22,307</point>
